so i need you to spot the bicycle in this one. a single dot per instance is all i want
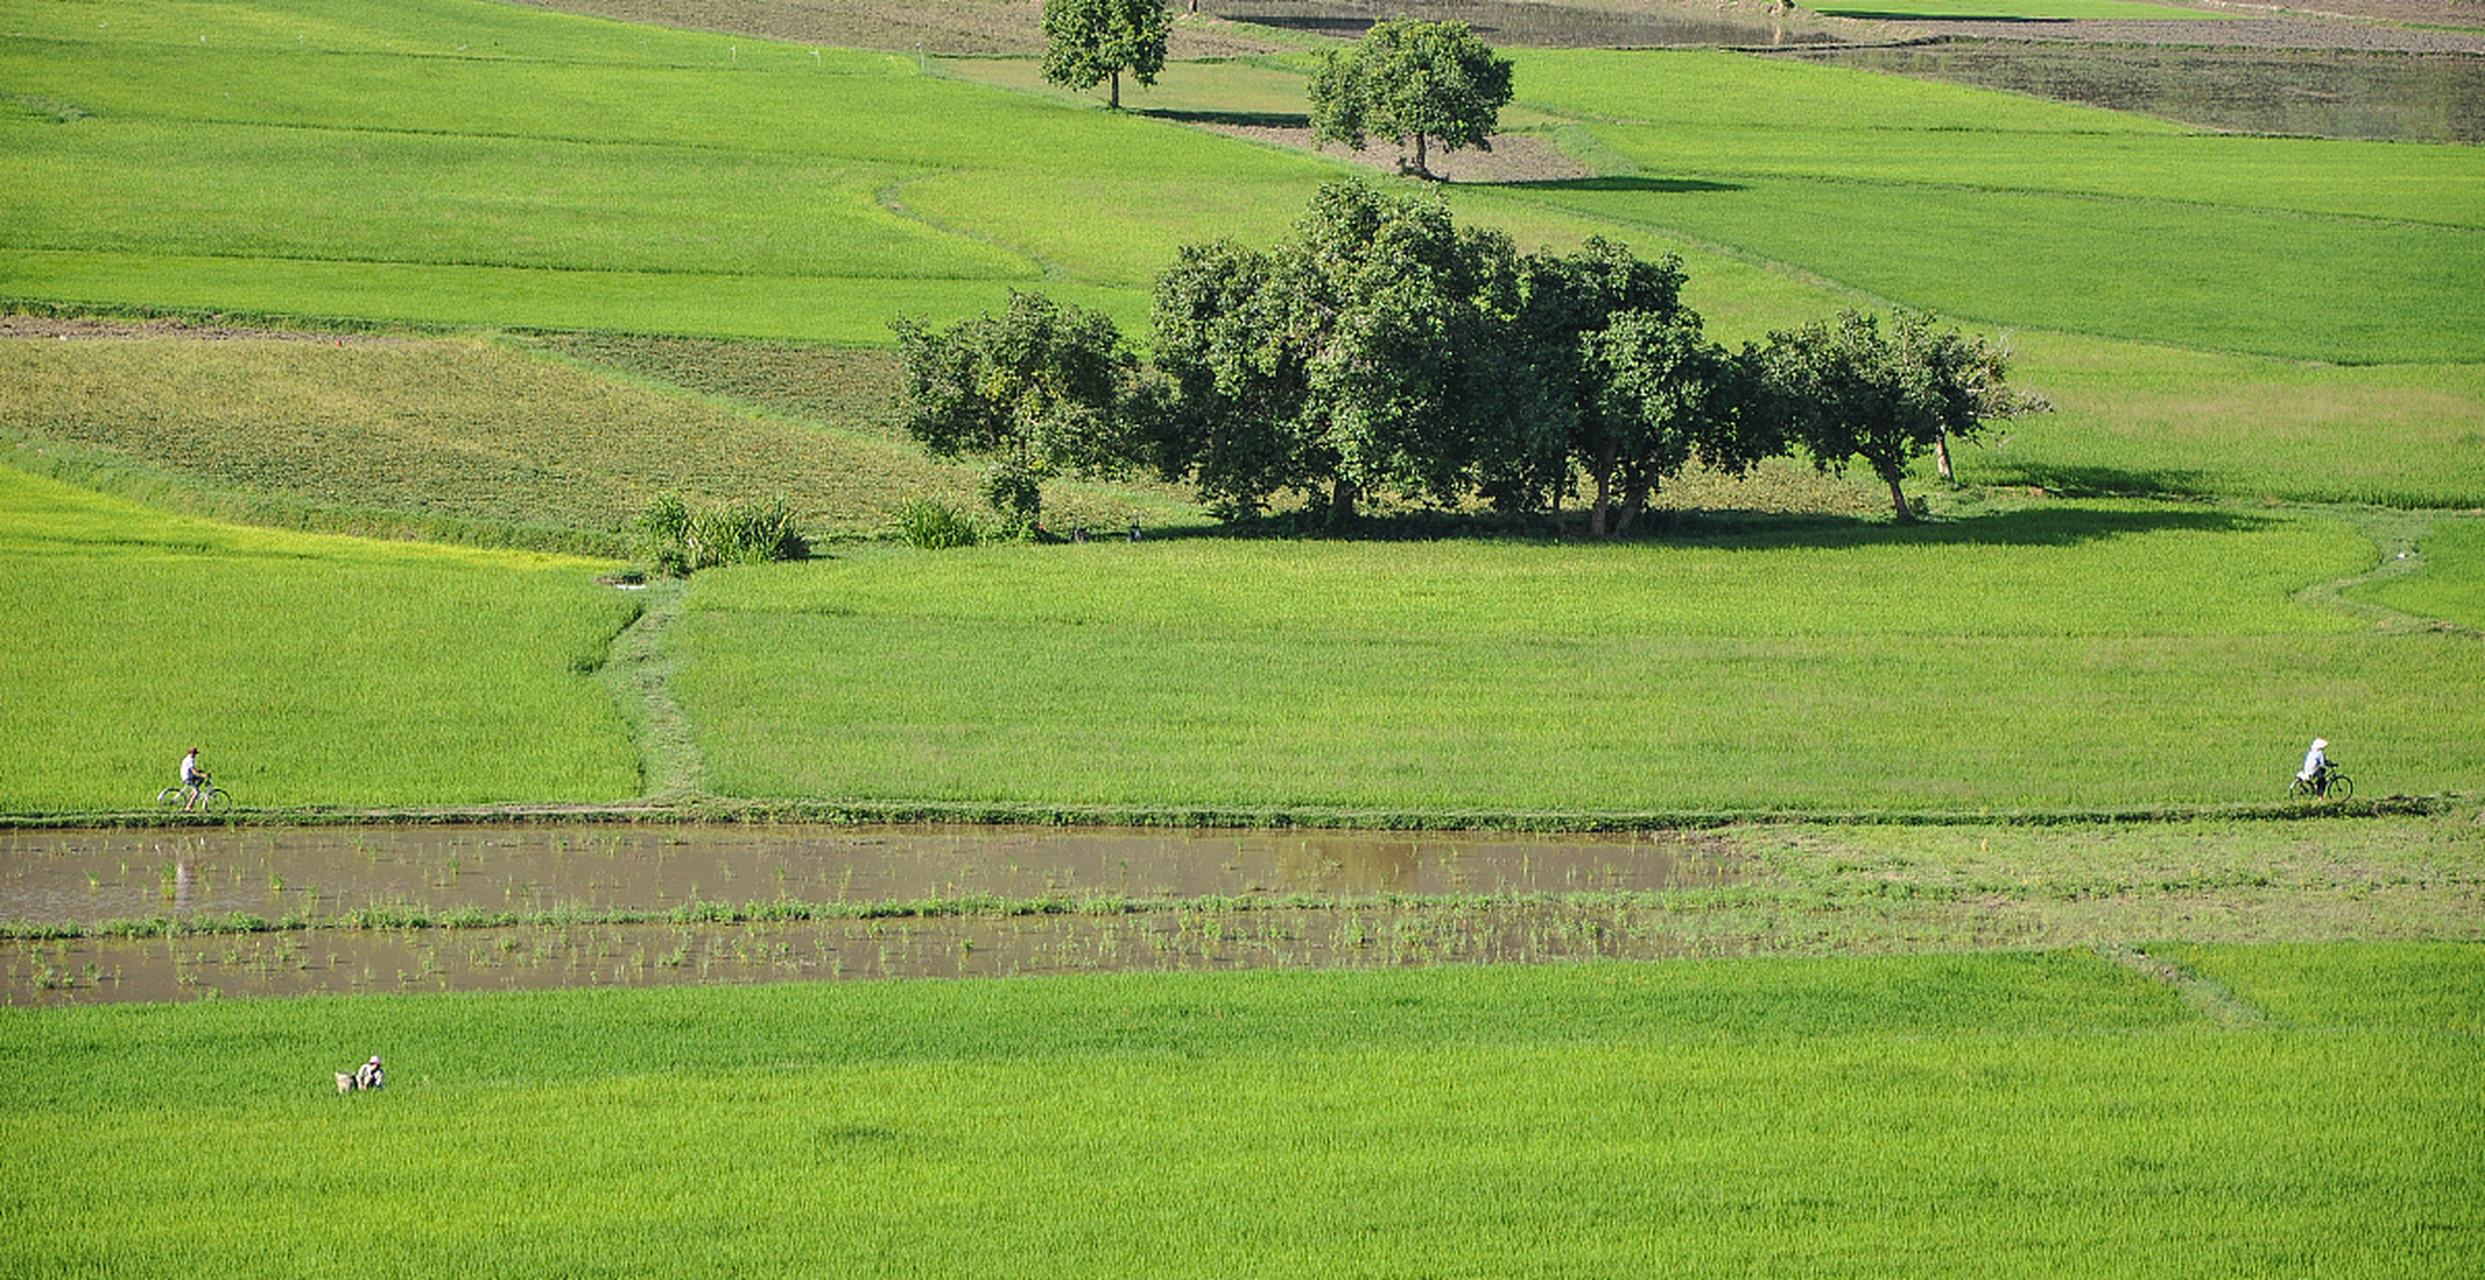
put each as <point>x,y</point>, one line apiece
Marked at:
<point>2329,784</point>
<point>204,797</point>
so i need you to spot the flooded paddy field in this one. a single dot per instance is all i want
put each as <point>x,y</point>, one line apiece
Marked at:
<point>2323,93</point>
<point>155,915</point>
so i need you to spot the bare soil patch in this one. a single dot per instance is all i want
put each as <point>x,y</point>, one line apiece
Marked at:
<point>2250,33</point>
<point>2441,13</point>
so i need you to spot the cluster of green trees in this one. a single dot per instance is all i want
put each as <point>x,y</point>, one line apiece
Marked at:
<point>1385,350</point>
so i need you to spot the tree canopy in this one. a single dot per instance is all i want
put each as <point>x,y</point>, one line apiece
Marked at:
<point>1040,390</point>
<point>1411,79</point>
<point>1090,41</point>
<point>1848,390</point>
<point>1383,351</point>
<point>1341,363</point>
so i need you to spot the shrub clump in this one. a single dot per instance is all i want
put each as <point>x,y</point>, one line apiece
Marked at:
<point>931,525</point>
<point>678,539</point>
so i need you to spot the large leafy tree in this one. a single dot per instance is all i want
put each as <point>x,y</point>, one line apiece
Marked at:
<point>1088,42</point>
<point>1665,395</point>
<point>1848,390</point>
<point>1550,405</point>
<point>1411,79</point>
<point>1041,389</point>
<point>1342,363</point>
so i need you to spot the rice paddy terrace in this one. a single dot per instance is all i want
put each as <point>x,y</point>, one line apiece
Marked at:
<point>1786,890</point>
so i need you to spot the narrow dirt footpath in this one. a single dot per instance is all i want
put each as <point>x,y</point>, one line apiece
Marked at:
<point>638,672</point>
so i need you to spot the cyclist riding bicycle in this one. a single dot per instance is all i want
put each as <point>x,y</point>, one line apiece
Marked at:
<point>2316,764</point>
<point>194,781</point>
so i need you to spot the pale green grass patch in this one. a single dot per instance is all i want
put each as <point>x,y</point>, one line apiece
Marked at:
<point>2048,215</point>
<point>796,308</point>
<point>314,670</point>
<point>444,427</point>
<point>2142,419</point>
<point>2451,585</point>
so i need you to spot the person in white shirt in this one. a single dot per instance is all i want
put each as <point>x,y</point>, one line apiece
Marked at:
<point>2315,763</point>
<point>194,780</point>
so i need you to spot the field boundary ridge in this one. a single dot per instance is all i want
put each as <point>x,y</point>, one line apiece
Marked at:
<point>791,812</point>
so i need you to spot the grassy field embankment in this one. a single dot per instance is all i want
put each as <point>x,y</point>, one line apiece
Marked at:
<point>2202,1110</point>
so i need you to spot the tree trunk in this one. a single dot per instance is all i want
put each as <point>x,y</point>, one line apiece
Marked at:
<point>1604,491</point>
<point>1941,456</point>
<point>1341,502</point>
<point>1634,501</point>
<point>1898,497</point>
<point>1420,170</point>
<point>1117,89</point>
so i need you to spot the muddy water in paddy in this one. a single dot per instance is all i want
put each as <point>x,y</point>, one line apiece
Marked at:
<point>1177,900</point>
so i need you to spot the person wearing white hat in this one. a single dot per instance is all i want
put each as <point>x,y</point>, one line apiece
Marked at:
<point>2314,761</point>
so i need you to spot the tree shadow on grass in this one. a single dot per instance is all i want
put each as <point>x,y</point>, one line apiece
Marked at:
<point>2099,482</point>
<point>1232,119</point>
<point>1623,182</point>
<point>1744,530</point>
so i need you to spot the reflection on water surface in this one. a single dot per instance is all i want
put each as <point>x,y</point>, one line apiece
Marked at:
<point>1127,899</point>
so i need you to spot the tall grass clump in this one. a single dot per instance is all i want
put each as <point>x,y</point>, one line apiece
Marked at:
<point>679,539</point>
<point>931,525</point>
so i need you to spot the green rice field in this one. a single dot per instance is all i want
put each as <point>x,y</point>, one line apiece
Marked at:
<point>342,341</point>
<point>2030,659</point>
<point>313,670</point>
<point>2199,1110</point>
<point>451,164</point>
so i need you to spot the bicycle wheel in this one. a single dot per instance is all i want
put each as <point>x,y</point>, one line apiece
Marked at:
<point>169,796</point>
<point>217,800</point>
<point>2341,787</point>
<point>2298,789</point>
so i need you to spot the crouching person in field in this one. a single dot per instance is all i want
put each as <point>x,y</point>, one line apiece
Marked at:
<point>366,1076</point>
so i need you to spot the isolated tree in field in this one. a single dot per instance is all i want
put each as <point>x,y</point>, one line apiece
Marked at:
<point>1411,79</point>
<point>1040,390</point>
<point>1091,41</point>
<point>1850,391</point>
